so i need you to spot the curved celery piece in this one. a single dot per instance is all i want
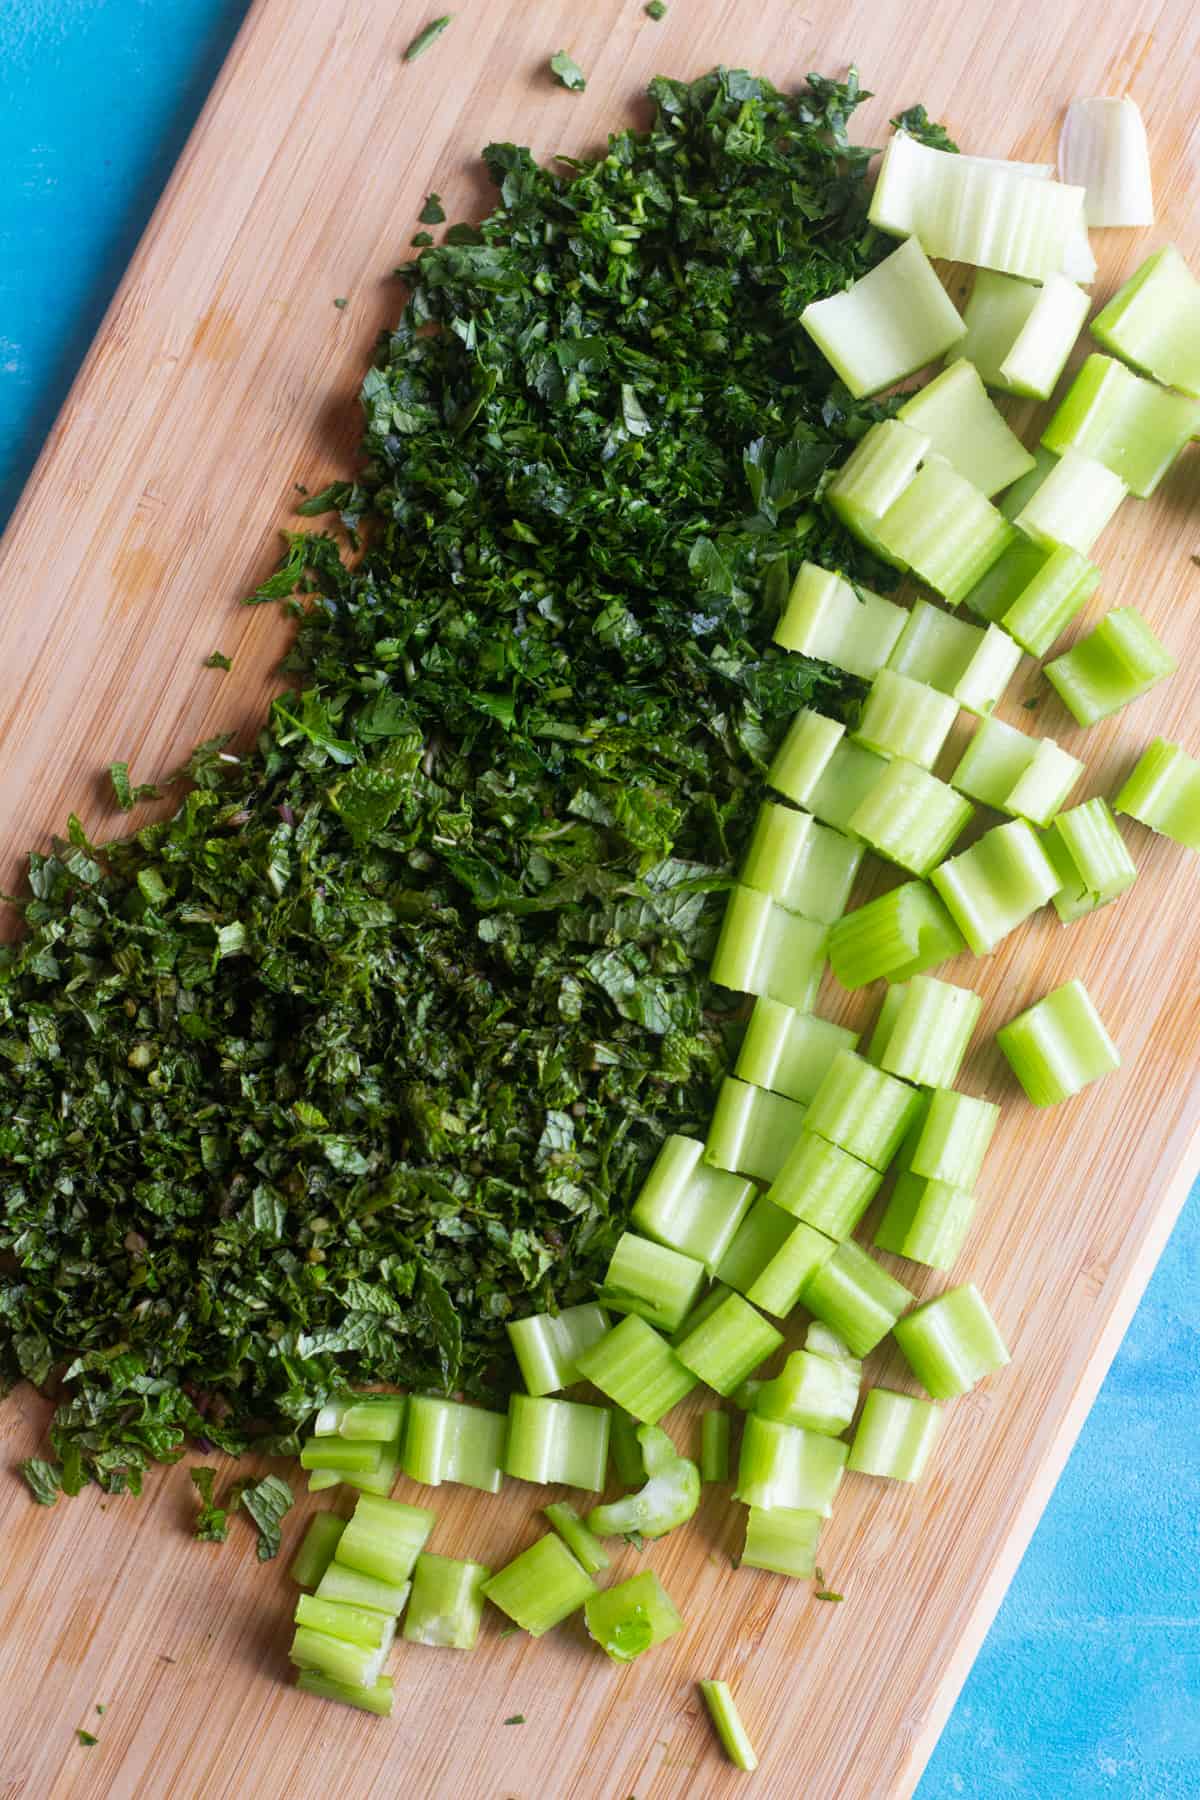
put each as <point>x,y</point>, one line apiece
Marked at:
<point>1009,576</point>
<point>727,1345</point>
<point>1088,851</point>
<point>851,774</point>
<point>800,863</point>
<point>765,949</point>
<point>898,935</point>
<point>747,1394</point>
<point>583,1544</point>
<point>1019,336</point>
<point>1015,499</point>
<point>951,1342</point>
<point>687,1204</point>
<point>911,818</point>
<point>1131,425</point>
<point>715,1433</point>
<point>889,323</point>
<point>779,1284</point>
<point>925,1221</point>
<point>895,1436</point>
<point>954,1138</point>
<point>557,1440</point>
<point>752,1130</point>
<point>930,1032</point>
<point>1116,663</point>
<point>816,1392</point>
<point>447,1441</point>
<point>848,626</point>
<point>1006,768</point>
<point>998,883</point>
<point>624,1451</point>
<point>631,1617</point>
<point>367,1418</point>
<point>546,1344</point>
<point>657,1283</point>
<point>320,1480</point>
<point>356,1589</point>
<point>446,1604</point>
<point>1163,792</point>
<point>1102,146</point>
<point>383,1538</point>
<point>874,475</point>
<point>541,1587</point>
<point>902,717</point>
<point>669,1498</point>
<point>825,1186</point>
<point>1058,1045</point>
<point>856,1298</point>
<point>862,1109</point>
<point>378,1699</point>
<point>944,530</point>
<point>637,1370</point>
<point>784,1465</point>
<point>1153,321</point>
<point>727,1723</point>
<point>764,1230</point>
<point>782,1539</point>
<point>804,754</point>
<point>962,425</point>
<point>1073,503</point>
<point>788,1052</point>
<point>316,1550</point>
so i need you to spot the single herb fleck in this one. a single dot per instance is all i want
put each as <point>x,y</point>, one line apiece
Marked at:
<point>824,1594</point>
<point>44,1479</point>
<point>127,796</point>
<point>267,1501</point>
<point>567,71</point>
<point>218,660</point>
<point>85,1737</point>
<point>918,124</point>
<point>101,1708</point>
<point>212,1521</point>
<point>341,302</point>
<point>432,213</point>
<point>655,9</point>
<point>420,238</point>
<point>425,38</point>
<point>1033,702</point>
<point>516,1719</point>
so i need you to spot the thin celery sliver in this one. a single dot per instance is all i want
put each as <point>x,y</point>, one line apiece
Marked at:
<point>929,1032</point>
<point>896,936</point>
<point>765,949</point>
<point>925,1221</point>
<point>541,1587</point>
<point>669,1498</point>
<point>637,1370</point>
<point>861,1109</point>
<point>951,1342</point>
<point>687,1204</point>
<point>1163,793</point>
<point>747,1394</point>
<point>446,1604</point>
<point>911,818</point>
<point>816,1392</point>
<point>728,1725</point>
<point>763,1232</point>
<point>889,1007</point>
<point>902,717</point>
<point>1013,503</point>
<point>955,414</point>
<point>727,1345</point>
<point>715,1434</point>
<point>804,754</point>
<point>583,1544</point>
<point>1153,321</point>
<point>657,1283</point>
<point>372,1418</point>
<point>800,863</point>
<point>1116,663</point>
<point>780,1283</point>
<point>874,475</point>
<point>954,1138</point>
<point>1059,1045</point>
<point>856,1298</point>
<point>996,885</point>
<point>788,1052</point>
<point>1056,590</point>
<point>1131,425</point>
<point>546,1344</point>
<point>624,1450</point>
<point>384,1538</point>
<point>992,597</point>
<point>783,1539</point>
<point>557,1440</point>
<point>378,1699</point>
<point>1087,849</point>
<point>892,321</point>
<point>320,1480</point>
<point>448,1441</point>
<point>355,1624</point>
<point>350,1585</point>
<point>825,1186</point>
<point>784,1465</point>
<point>1072,503</point>
<point>340,1453</point>
<point>631,1617</point>
<point>752,1130</point>
<point>848,626</point>
<point>895,1436</point>
<point>944,530</point>
<point>851,773</point>
<point>1006,768</point>
<point>316,1551</point>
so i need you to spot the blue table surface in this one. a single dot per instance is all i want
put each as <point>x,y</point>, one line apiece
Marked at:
<point>1089,1682</point>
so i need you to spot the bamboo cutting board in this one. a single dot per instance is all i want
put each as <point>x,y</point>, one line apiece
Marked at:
<point>223,374</point>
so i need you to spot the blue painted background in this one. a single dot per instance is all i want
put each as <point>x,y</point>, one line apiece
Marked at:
<point>1089,1684</point>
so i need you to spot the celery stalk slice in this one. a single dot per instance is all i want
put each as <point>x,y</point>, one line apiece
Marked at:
<point>320,1480</point>
<point>783,1539</point>
<point>898,935</point>
<point>1019,336</point>
<point>780,1283</point>
<point>804,754</point>
<point>873,477</point>
<point>378,1699</point>
<point>848,626</point>
<point>762,1233</point>
<point>822,1340</point>
<point>856,1298</point>
<point>637,1370</point>
<point>784,1465</point>
<point>925,1221</point>
<point>657,1283</point>
<point>1015,499</point>
<point>384,1538</point>
<point>728,1345</point>
<point>902,717</point>
<point>895,1436</point>
<point>951,1342</point>
<point>1026,776</point>
<point>447,1441</point>
<point>1102,149</point>
<point>800,863</point>
<point>1039,611</point>
<point>359,1625</point>
<point>668,1499</point>
<point>816,1392</point>
<point>944,530</point>
<point>1153,321</point>
<point>1131,425</point>
<point>972,664</point>
<point>349,1585</point>
<point>728,1725</point>
<point>316,1551</point>
<point>1072,503</point>
<point>788,1052</point>
<point>547,1344</point>
<point>930,1031</point>
<point>631,1617</point>
<point>715,1434</point>
<point>625,1452</point>
<point>889,323</point>
<point>557,1441</point>
<point>1087,849</point>
<point>911,818</point>
<point>687,1204</point>
<point>862,1110</point>
<point>955,414</point>
<point>583,1544</point>
<point>954,1138</point>
<point>825,1186</point>
<point>851,774</point>
<point>994,886</point>
<point>889,1007</point>
<point>446,1604</point>
<point>1116,663</point>
<point>340,1453</point>
<point>1058,1045</point>
<point>350,1665</point>
<point>752,1130</point>
<point>1163,792</point>
<point>541,1587</point>
<point>765,949</point>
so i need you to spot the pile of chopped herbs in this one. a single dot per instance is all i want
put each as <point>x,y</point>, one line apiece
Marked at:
<point>368,1047</point>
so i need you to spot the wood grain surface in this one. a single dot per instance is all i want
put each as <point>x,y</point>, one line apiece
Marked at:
<point>224,374</point>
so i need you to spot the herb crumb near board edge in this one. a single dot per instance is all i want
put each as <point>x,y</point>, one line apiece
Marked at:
<point>425,38</point>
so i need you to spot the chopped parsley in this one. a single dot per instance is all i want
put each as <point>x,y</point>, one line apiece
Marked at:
<point>431,33</point>
<point>218,660</point>
<point>568,72</point>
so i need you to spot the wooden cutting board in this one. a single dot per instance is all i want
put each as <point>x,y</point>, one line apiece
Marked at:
<point>224,374</point>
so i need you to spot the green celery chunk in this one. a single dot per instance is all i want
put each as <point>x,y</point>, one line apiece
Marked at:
<point>970,664</point>
<point>1072,503</point>
<point>944,530</point>
<point>355,1665</point>
<point>728,1725</point>
<point>804,755</point>
<point>378,1699</point>
<point>583,1544</point>
<point>889,1007</point>
<point>856,1298</point>
<point>316,1551</point>
<point>1153,321</point>
<point>874,475</point>
<point>340,1453</point>
<point>951,1342</point>
<point>752,1130</point>
<point>631,1617</point>
<point>447,1441</point>
<point>1087,849</point>
<point>955,414</point>
<point>319,1480</point>
<point>763,1232</point>
<point>355,1624</point>
<point>889,323</point>
<point>788,1052</point>
<point>822,1341</point>
<point>1058,1045</point>
<point>896,936</point>
<point>557,1440</point>
<point>778,1285</point>
<point>929,1032</point>
<point>541,1587</point>
<point>546,1344</point>
<point>370,1418</point>
<point>911,818</point>
<point>861,1109</point>
<point>446,1604</point>
<point>1163,792</point>
<point>765,949</point>
<point>783,1539</point>
<point>895,1436</point>
<point>637,1370</point>
<point>715,1433</point>
<point>668,1499</point>
<point>747,1394</point>
<point>384,1538</point>
<point>784,1465</point>
<point>657,1283</point>
<point>687,1204</point>
<point>902,717</point>
<point>625,1453</point>
<point>1116,663</point>
<point>1009,576</point>
<point>851,773</point>
<point>954,1138</point>
<point>727,1345</point>
<point>1013,502</point>
<point>825,1186</point>
<point>1062,584</point>
<point>355,1589</point>
<point>994,886</point>
<point>1026,776</point>
<point>851,627</point>
<point>925,1221</point>
<point>800,863</point>
<point>1132,426</point>
<point>818,1393</point>
<point>1019,336</point>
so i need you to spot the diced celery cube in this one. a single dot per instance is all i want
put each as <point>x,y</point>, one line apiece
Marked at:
<point>1116,663</point>
<point>888,324</point>
<point>874,475</point>
<point>1006,768</point>
<point>764,1231</point>
<point>1163,792</point>
<point>541,1587</point>
<point>951,1342</point>
<point>855,1297</point>
<point>911,817</point>
<point>1019,336</point>
<point>862,1110</point>
<point>782,1539</point>
<point>752,1130</point>
<point>930,1031</point>
<point>848,626</point>
<point>994,886</point>
<point>898,935</point>
<point>637,1370</point>
<point>816,1392</point>
<point>902,717</point>
<point>800,863</point>
<point>1132,426</point>
<point>1153,321</point>
<point>727,1345</point>
<point>784,1465</point>
<point>631,1617</point>
<point>962,425</point>
<point>825,1186</point>
<point>788,1052</point>
<point>850,775</point>
<point>779,1284</point>
<point>926,1221</point>
<point>658,1284</point>
<point>1072,503</point>
<point>1058,1045</point>
<point>803,755</point>
<point>765,949</point>
<point>895,1436</point>
<point>954,1137</point>
<point>688,1204</point>
<point>944,530</point>
<point>1088,851</point>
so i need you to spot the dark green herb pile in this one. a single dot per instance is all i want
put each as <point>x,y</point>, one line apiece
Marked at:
<point>368,1047</point>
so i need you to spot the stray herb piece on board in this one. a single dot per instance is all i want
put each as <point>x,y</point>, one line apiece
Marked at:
<point>655,9</point>
<point>218,661</point>
<point>128,796</point>
<point>432,212</point>
<point>425,38</point>
<point>44,1479</point>
<point>212,1521</point>
<point>85,1737</point>
<point>516,1719</point>
<point>568,72</point>
<point>266,1501</point>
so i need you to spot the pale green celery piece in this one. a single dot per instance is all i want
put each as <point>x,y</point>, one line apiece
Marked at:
<point>889,323</point>
<point>962,425</point>
<point>637,1370</point>
<point>378,1699</point>
<point>1087,849</point>
<point>784,1465</point>
<point>846,625</point>
<point>995,315</point>
<point>1072,504</point>
<point>889,1006</point>
<point>446,1604</point>
<point>624,1450</point>
<point>850,775</point>
<point>764,1231</point>
<point>986,681</point>
<point>1006,768</point>
<point>631,1617</point>
<point>725,1347</point>
<point>1163,792</point>
<point>356,1589</point>
<point>823,1341</point>
<point>380,1480</point>
<point>583,1544</point>
<point>824,1186</point>
<point>996,885</point>
<point>546,1344</point>
<point>856,1298</point>
<point>728,1725</point>
<point>1015,499</point>
<point>747,1394</point>
<point>687,1204</point>
<point>931,1031</point>
<point>352,1665</point>
<point>447,1441</point>
<point>954,1138</point>
<point>972,665</point>
<point>874,475</point>
<point>913,1135</point>
<point>803,755</point>
<point>944,530</point>
<point>1039,353</point>
<point>951,1342</point>
<point>370,1418</point>
<point>1051,598</point>
<point>907,718</point>
<point>1058,1045</point>
<point>780,1283</point>
<point>788,1052</point>
<point>703,1309</point>
<point>541,1587</point>
<point>320,1480</point>
<point>782,1539</point>
<point>1153,321</point>
<point>557,1441</point>
<point>715,1433</point>
<point>898,935</point>
<point>1116,663</point>
<point>1131,425</point>
<point>992,597</point>
<point>657,1283</point>
<point>800,863</point>
<point>668,1499</point>
<point>329,1418</point>
<point>340,1453</point>
<point>765,949</point>
<point>911,818</point>
<point>817,1392</point>
<point>925,1221</point>
<point>862,1109</point>
<point>895,1436</point>
<point>316,1551</point>
<point>752,1130</point>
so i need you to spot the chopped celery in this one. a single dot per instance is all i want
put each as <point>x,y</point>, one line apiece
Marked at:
<point>764,1231</point>
<point>825,1186</point>
<point>962,425</point>
<point>930,1032</point>
<point>378,1699</point>
<point>546,1344</point>
<point>861,1109</point>
<point>954,1138</point>
<point>1008,577</point>
<point>316,1551</point>
<point>1088,851</point>
<point>845,625</point>
<point>583,1544</point>
<point>875,474</point>
<point>925,1221</point>
<point>631,1617</point>
<point>1153,321</point>
<point>995,315</point>
<point>972,665</point>
<point>779,1284</point>
<point>687,1204</point>
<point>727,1345</point>
<point>1163,792</point>
<point>348,1665</point>
<point>1116,663</point>
<point>1015,499</point>
<point>951,1342</point>
<point>356,1589</point>
<point>384,1538</point>
<point>911,818</point>
<point>657,1283</point>
<point>856,1298</point>
<point>447,1441</point>
<point>823,1341</point>
<point>360,1625</point>
<point>851,774</point>
<point>1072,504</point>
<point>1102,146</point>
<point>446,1604</point>
<point>557,1440</point>
<point>1131,425</point>
<point>785,1051</point>
<point>801,863</point>
<point>903,717</point>
<point>1059,582</point>
<point>765,949</point>
<point>1026,776</point>
<point>895,1436</point>
<point>888,324</point>
<point>889,1006</point>
<point>804,754</point>
<point>782,1539</point>
<point>816,1392</point>
<point>371,1418</point>
<point>637,1370</point>
<point>541,1587</point>
<point>898,935</point>
<point>728,1725</point>
<point>944,530</point>
<point>668,1499</point>
<point>715,1431</point>
<point>747,1394</point>
<point>994,886</point>
<point>1019,336</point>
<point>752,1130</point>
<point>1058,1045</point>
<point>319,1480</point>
<point>340,1453</point>
<point>784,1465</point>
<point>625,1453</point>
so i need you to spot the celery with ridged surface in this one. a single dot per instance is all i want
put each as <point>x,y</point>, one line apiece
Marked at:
<point>1163,792</point>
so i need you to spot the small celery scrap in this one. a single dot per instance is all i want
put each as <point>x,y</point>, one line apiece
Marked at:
<point>669,1498</point>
